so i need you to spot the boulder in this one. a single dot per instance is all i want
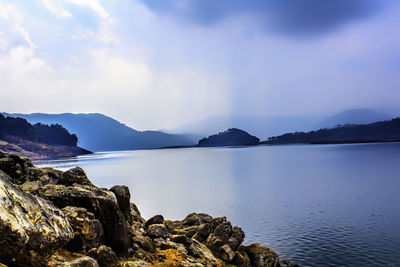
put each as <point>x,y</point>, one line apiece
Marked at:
<point>226,253</point>
<point>16,167</point>
<point>157,219</point>
<point>123,198</point>
<point>74,176</point>
<point>88,230</point>
<point>135,214</point>
<point>84,262</point>
<point>287,263</point>
<point>104,256</point>
<point>196,219</point>
<point>31,228</point>
<point>102,203</point>
<point>157,230</point>
<point>260,255</point>
<point>241,258</point>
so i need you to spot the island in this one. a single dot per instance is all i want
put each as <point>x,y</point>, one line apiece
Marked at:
<point>38,141</point>
<point>384,131</point>
<point>53,218</point>
<point>230,137</point>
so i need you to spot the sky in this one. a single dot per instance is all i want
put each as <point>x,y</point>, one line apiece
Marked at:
<point>158,64</point>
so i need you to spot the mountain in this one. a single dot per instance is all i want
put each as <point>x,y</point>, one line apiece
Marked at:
<point>354,116</point>
<point>255,125</point>
<point>375,132</point>
<point>38,141</point>
<point>98,132</point>
<point>230,137</point>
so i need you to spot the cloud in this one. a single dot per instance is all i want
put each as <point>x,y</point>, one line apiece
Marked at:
<point>292,17</point>
<point>12,21</point>
<point>56,8</point>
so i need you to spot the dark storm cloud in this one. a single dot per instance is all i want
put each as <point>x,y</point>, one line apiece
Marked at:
<point>298,17</point>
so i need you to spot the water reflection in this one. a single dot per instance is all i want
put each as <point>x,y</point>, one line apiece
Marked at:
<point>332,205</point>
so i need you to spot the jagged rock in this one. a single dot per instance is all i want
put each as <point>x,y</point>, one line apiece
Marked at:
<point>236,238</point>
<point>157,219</point>
<point>165,244</point>
<point>157,230</point>
<point>260,255</point>
<point>84,262</point>
<point>16,167</point>
<point>196,219</point>
<point>74,176</point>
<point>200,251</point>
<point>227,254</point>
<point>88,230</point>
<point>31,228</point>
<point>123,198</point>
<point>287,263</point>
<point>135,214</point>
<point>142,241</point>
<point>134,264</point>
<point>102,203</point>
<point>105,256</point>
<point>241,259</point>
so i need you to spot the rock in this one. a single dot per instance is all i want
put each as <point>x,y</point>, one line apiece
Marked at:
<point>200,251</point>
<point>135,214</point>
<point>260,255</point>
<point>16,167</point>
<point>157,230</point>
<point>102,203</point>
<point>287,263</point>
<point>134,264</point>
<point>227,253</point>
<point>182,239</point>
<point>158,219</point>
<point>74,176</point>
<point>241,259</point>
<point>88,230</point>
<point>236,238</point>
<point>31,228</point>
<point>196,219</point>
<point>143,242</point>
<point>105,256</point>
<point>84,262</point>
<point>123,198</point>
<point>164,244</point>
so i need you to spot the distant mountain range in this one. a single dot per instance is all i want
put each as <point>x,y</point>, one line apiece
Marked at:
<point>264,127</point>
<point>354,116</point>
<point>97,132</point>
<point>383,131</point>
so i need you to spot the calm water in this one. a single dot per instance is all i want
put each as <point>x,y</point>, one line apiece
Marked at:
<point>320,205</point>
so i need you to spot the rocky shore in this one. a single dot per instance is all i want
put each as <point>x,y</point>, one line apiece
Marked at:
<point>54,218</point>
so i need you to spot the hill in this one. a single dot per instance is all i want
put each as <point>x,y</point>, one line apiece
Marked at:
<point>37,141</point>
<point>98,132</point>
<point>384,131</point>
<point>354,116</point>
<point>231,137</point>
<point>255,125</point>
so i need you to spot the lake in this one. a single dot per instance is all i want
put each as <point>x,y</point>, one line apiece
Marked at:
<point>318,205</point>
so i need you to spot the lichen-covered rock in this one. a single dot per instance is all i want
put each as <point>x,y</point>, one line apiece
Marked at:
<point>88,230</point>
<point>241,258</point>
<point>102,203</point>
<point>16,167</point>
<point>84,262</point>
<point>287,263</point>
<point>135,214</point>
<point>31,228</point>
<point>74,176</point>
<point>226,253</point>
<point>105,256</point>
<point>262,256</point>
<point>157,230</point>
<point>157,219</point>
<point>123,198</point>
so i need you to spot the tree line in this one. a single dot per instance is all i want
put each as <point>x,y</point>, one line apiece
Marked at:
<point>54,134</point>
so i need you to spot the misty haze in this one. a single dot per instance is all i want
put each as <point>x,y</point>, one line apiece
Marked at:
<point>199,133</point>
